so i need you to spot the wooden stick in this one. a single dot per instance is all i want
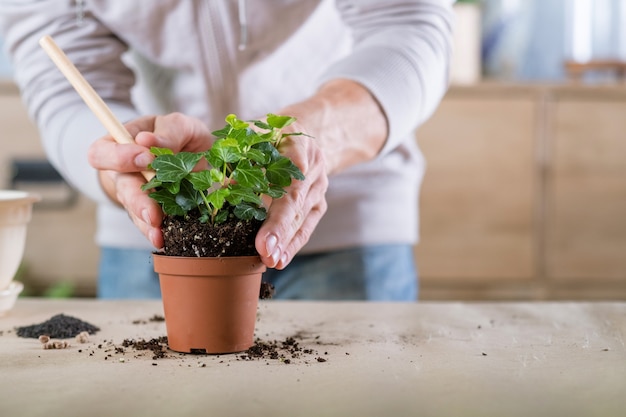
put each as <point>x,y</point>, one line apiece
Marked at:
<point>89,95</point>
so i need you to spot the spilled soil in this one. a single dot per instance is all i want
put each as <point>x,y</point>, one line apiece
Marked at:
<point>298,348</point>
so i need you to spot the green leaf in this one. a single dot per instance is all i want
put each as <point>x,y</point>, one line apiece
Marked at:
<point>217,176</point>
<point>224,151</point>
<point>257,156</point>
<point>201,181</point>
<point>203,208</point>
<point>246,211</point>
<point>153,183</point>
<point>279,122</point>
<point>252,138</point>
<point>185,203</point>
<point>188,198</point>
<point>239,194</point>
<point>161,151</point>
<point>269,150</point>
<point>275,191</point>
<point>168,203</point>
<point>261,125</point>
<point>248,176</point>
<point>221,217</point>
<point>173,168</point>
<point>284,135</point>
<point>172,187</point>
<point>232,120</point>
<point>222,133</point>
<point>217,198</point>
<point>240,136</point>
<point>281,171</point>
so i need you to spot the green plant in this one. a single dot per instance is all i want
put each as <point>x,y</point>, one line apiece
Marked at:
<point>244,165</point>
<point>64,289</point>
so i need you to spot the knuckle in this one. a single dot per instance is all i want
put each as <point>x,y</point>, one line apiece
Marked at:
<point>321,207</point>
<point>297,194</point>
<point>300,238</point>
<point>323,182</point>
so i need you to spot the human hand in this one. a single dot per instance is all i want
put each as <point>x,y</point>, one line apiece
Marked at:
<point>120,165</point>
<point>292,218</point>
<point>349,127</point>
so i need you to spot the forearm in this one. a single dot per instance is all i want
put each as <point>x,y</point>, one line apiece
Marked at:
<point>67,127</point>
<point>401,53</point>
<point>346,120</point>
<point>67,138</point>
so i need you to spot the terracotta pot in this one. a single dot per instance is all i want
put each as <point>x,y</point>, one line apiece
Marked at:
<point>210,304</point>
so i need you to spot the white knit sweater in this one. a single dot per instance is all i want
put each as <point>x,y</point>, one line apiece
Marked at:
<point>211,58</point>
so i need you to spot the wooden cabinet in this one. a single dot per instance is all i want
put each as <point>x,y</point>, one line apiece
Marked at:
<point>586,180</point>
<point>524,194</point>
<point>477,196</point>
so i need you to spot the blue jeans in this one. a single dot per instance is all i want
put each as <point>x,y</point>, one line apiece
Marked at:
<point>127,273</point>
<point>376,273</point>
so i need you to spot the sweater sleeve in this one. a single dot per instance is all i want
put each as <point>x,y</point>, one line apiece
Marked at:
<point>401,55</point>
<point>66,125</point>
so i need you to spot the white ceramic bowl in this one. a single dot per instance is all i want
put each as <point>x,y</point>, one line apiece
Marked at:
<point>15,213</point>
<point>9,295</point>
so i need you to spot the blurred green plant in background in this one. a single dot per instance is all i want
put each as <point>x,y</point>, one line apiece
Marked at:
<point>63,289</point>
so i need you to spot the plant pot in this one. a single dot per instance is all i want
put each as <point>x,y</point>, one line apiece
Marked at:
<point>210,304</point>
<point>15,213</point>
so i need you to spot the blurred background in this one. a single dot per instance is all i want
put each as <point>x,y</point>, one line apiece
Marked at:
<point>525,191</point>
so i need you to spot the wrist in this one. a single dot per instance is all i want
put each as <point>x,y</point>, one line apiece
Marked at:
<point>346,120</point>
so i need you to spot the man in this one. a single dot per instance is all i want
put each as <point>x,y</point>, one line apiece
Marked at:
<point>359,76</point>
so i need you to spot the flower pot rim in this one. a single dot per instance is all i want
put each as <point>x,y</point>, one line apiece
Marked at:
<point>245,257</point>
<point>12,197</point>
<point>202,266</point>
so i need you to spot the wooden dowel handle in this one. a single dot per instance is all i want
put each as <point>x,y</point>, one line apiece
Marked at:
<point>89,95</point>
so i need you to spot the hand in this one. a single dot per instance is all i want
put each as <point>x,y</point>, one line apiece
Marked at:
<point>292,218</point>
<point>120,165</point>
<point>348,127</point>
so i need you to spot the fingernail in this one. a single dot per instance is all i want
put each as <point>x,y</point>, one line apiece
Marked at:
<point>143,159</point>
<point>276,256</point>
<point>145,215</point>
<point>152,235</point>
<point>283,260</point>
<point>270,244</point>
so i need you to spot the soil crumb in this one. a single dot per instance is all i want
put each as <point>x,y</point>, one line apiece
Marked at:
<point>154,319</point>
<point>57,327</point>
<point>267,291</point>
<point>158,346</point>
<point>286,351</point>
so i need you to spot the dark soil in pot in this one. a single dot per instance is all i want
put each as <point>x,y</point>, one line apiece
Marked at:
<point>187,236</point>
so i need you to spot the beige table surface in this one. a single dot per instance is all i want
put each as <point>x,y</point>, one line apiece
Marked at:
<point>382,359</point>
